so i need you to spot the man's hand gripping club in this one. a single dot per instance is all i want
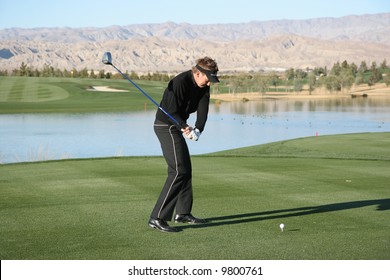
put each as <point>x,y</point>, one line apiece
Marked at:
<point>191,133</point>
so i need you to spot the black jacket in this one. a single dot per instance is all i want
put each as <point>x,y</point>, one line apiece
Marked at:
<point>183,97</point>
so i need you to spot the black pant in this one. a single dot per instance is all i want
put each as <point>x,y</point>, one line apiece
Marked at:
<point>177,190</point>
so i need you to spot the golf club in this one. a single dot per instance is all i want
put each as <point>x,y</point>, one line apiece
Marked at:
<point>107,59</point>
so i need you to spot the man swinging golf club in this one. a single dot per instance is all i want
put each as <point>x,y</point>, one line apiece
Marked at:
<point>187,93</point>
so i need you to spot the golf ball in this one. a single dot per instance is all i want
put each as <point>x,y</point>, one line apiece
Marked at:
<point>281,227</point>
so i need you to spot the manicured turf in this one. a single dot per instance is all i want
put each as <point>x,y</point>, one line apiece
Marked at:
<point>46,95</point>
<point>332,193</point>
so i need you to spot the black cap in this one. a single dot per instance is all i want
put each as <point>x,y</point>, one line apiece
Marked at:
<point>211,75</point>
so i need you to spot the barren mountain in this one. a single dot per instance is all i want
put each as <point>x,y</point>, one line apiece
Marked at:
<point>174,47</point>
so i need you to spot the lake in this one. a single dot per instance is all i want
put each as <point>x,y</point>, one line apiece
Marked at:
<point>31,137</point>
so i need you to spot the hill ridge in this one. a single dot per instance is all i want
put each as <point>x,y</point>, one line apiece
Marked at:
<point>169,46</point>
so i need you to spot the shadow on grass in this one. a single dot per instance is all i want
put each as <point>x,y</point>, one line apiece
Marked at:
<point>382,205</point>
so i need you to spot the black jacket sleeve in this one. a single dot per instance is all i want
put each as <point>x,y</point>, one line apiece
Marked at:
<point>174,102</point>
<point>202,112</point>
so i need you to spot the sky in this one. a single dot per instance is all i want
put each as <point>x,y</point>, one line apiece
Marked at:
<point>103,13</point>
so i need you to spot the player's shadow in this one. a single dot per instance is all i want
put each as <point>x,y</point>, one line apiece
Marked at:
<point>381,205</point>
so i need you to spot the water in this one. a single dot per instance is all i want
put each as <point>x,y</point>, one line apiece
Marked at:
<point>30,137</point>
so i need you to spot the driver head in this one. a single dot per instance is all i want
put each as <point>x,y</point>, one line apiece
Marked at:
<point>107,58</point>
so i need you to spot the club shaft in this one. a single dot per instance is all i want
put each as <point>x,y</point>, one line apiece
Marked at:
<point>147,95</point>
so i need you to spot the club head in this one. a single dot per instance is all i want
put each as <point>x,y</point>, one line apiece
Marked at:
<point>107,58</point>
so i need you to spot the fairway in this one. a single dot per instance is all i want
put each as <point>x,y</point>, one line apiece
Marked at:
<point>30,90</point>
<point>72,95</point>
<point>332,193</point>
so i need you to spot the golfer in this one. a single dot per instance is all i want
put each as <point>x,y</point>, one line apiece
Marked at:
<point>187,93</point>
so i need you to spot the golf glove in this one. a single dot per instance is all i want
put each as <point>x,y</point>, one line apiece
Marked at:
<point>188,136</point>
<point>195,134</point>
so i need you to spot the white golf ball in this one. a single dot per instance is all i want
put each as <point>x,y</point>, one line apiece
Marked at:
<point>281,226</point>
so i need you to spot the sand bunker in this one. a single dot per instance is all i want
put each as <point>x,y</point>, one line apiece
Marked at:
<point>106,89</point>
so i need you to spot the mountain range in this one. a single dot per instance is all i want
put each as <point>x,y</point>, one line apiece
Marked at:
<point>172,47</point>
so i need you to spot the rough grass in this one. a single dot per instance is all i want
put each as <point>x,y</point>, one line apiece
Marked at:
<point>331,193</point>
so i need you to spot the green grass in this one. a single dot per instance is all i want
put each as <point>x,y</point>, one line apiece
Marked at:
<point>47,95</point>
<point>332,193</point>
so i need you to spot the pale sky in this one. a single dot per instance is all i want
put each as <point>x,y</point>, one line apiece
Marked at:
<point>99,13</point>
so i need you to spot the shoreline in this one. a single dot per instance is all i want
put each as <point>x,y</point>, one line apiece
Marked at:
<point>380,90</point>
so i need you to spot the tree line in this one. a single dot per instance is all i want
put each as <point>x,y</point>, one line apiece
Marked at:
<point>342,76</point>
<point>49,71</point>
